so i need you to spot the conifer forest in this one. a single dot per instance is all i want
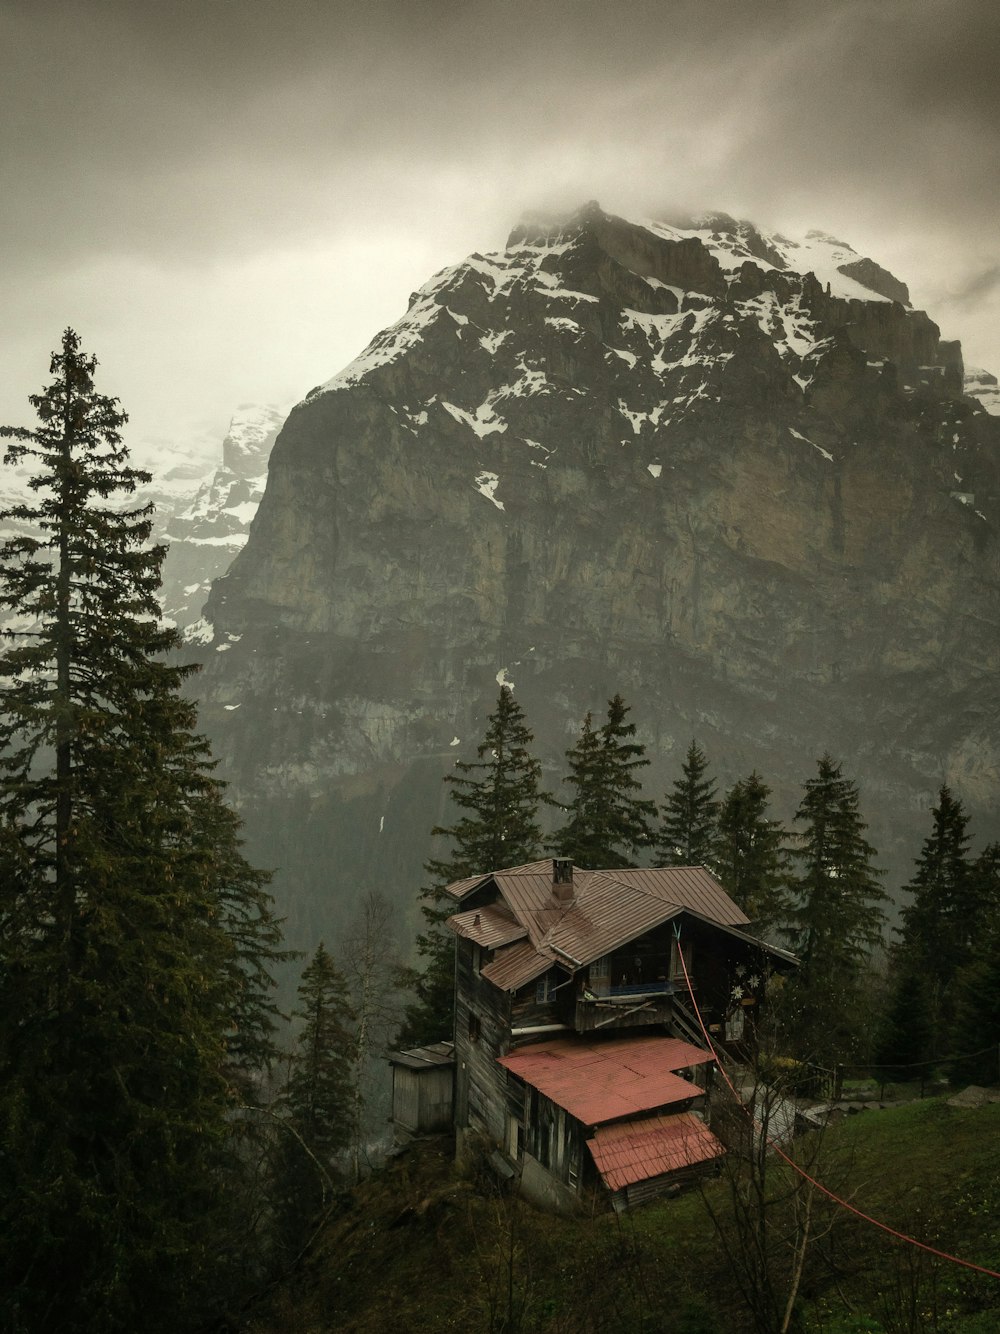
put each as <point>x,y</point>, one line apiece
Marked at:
<point>187,1107</point>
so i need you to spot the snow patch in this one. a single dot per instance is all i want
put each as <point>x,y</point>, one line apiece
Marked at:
<point>815,253</point>
<point>455,741</point>
<point>491,342</point>
<point>502,679</point>
<point>485,422</point>
<point>654,468</point>
<point>486,484</point>
<point>199,632</point>
<point>826,454</point>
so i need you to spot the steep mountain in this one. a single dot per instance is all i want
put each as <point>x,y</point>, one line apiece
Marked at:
<point>732,475</point>
<point>208,518</point>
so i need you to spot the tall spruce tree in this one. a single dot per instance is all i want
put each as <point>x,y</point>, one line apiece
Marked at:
<point>317,1101</point>
<point>751,855</point>
<point>976,1028</point>
<point>499,794</point>
<point>941,923</point>
<point>689,831</point>
<point>135,941</point>
<point>609,823</point>
<point>836,916</point>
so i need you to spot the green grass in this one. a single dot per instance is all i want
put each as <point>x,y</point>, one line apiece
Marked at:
<point>422,1247</point>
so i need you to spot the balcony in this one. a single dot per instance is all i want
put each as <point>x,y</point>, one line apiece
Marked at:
<point>627,1005</point>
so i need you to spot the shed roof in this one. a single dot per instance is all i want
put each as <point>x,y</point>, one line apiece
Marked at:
<point>651,1146</point>
<point>606,1079</point>
<point>424,1058</point>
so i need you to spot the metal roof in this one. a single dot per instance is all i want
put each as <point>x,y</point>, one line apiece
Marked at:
<point>633,1151</point>
<point>608,909</point>
<point>605,1080</point>
<point>424,1058</point>
<point>490,927</point>
<point>459,888</point>
<point>689,887</point>
<point>606,912</point>
<point>516,966</point>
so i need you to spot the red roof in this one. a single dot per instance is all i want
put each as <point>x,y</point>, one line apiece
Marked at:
<point>653,1146</point>
<point>604,1080</point>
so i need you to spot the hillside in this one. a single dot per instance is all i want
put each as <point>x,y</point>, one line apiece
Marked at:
<point>450,1254</point>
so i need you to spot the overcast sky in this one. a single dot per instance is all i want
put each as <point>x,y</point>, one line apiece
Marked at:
<point>227,198</point>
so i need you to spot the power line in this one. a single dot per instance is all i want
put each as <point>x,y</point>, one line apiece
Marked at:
<point>825,1190</point>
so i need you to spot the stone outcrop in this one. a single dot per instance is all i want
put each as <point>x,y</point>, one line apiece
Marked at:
<point>700,465</point>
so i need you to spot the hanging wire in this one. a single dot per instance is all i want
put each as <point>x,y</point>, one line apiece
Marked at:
<point>818,1185</point>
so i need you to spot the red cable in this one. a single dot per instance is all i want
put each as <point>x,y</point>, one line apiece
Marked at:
<point>825,1190</point>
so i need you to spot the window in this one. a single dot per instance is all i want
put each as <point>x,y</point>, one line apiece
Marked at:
<point>475,1028</point>
<point>544,989</point>
<point>676,967</point>
<point>600,975</point>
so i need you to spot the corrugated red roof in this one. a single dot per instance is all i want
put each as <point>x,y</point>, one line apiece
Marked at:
<point>605,1080</point>
<point>653,1146</point>
<point>490,927</point>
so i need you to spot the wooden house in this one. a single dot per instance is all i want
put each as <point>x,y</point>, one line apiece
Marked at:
<point>578,1048</point>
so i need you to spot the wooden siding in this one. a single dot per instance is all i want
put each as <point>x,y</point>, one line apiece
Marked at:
<point>482,1032</point>
<point>554,1139</point>
<point>527,1011</point>
<point>422,1099</point>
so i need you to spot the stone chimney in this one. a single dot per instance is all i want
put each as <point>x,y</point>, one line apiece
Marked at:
<point>562,880</point>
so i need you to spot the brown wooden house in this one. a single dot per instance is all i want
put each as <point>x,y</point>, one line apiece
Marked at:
<point>577,1049</point>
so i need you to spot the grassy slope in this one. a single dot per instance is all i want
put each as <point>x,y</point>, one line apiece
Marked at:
<point>424,1249</point>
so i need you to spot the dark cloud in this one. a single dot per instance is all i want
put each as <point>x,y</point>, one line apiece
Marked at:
<point>187,141</point>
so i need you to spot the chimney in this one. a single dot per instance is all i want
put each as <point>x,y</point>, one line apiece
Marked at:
<point>562,880</point>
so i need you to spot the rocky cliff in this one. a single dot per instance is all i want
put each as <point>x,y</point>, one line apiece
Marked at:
<point>731,475</point>
<point>204,514</point>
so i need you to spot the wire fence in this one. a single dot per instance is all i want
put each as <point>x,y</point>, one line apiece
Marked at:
<point>928,1074</point>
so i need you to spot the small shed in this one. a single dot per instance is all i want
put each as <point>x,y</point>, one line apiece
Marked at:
<point>423,1081</point>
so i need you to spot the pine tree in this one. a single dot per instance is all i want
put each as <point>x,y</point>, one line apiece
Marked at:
<point>608,822</point>
<point>318,1095</point>
<point>836,917</point>
<point>500,794</point>
<point>940,925</point>
<point>688,833</point>
<point>907,1035</point>
<point>976,1030</point>
<point>135,941</point>
<point>751,857</point>
<point>316,1102</point>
